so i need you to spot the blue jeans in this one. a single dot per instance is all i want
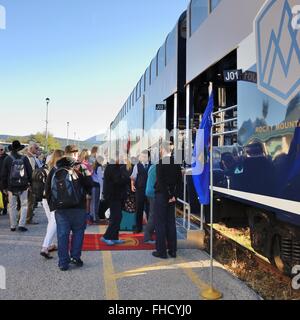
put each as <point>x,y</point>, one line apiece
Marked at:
<point>68,220</point>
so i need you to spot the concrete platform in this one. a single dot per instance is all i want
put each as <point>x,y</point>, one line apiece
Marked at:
<point>126,275</point>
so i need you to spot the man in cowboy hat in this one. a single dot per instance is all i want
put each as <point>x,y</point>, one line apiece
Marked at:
<point>16,180</point>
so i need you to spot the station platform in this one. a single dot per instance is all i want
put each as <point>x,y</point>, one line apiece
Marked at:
<point>107,275</point>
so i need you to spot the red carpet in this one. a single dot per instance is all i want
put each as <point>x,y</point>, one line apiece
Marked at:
<point>133,242</point>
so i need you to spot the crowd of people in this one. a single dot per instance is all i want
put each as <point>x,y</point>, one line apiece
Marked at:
<point>76,187</point>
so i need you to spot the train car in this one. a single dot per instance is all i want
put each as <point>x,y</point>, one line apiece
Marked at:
<point>156,102</point>
<point>250,52</point>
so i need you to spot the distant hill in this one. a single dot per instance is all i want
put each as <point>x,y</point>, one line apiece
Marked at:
<point>88,144</point>
<point>99,139</point>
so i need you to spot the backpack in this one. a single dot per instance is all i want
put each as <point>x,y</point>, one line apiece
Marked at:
<point>66,190</point>
<point>18,178</point>
<point>39,178</point>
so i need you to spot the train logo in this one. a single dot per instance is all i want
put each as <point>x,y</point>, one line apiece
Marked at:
<point>278,50</point>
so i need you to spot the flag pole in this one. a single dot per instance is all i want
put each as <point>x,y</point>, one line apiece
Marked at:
<point>211,293</point>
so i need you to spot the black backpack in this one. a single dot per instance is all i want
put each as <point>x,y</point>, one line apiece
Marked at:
<point>39,177</point>
<point>18,178</point>
<point>66,190</point>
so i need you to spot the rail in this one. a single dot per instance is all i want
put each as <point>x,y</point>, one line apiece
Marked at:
<point>221,121</point>
<point>187,212</point>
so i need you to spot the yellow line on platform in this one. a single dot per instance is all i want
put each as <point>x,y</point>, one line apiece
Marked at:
<point>142,270</point>
<point>111,289</point>
<point>170,265</point>
<point>193,276</point>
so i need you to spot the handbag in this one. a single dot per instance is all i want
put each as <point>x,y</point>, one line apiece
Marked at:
<point>103,206</point>
<point>1,201</point>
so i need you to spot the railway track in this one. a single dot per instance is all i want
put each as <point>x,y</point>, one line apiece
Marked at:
<point>249,266</point>
<point>261,262</point>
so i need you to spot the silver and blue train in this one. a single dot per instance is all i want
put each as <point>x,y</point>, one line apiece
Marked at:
<point>250,52</point>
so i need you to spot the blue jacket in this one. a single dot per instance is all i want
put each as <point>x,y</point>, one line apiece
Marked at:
<point>150,191</point>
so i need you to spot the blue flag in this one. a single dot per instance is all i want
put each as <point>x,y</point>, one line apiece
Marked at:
<point>201,155</point>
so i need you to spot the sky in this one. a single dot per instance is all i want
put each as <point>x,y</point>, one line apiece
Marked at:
<point>85,55</point>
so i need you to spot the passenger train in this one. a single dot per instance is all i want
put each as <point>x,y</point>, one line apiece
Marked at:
<point>250,52</point>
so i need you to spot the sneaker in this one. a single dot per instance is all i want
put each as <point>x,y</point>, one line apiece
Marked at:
<point>118,241</point>
<point>149,242</point>
<point>108,242</point>
<point>13,229</point>
<point>77,262</point>
<point>22,229</point>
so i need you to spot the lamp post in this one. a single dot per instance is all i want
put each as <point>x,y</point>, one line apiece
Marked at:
<point>47,114</point>
<point>68,126</point>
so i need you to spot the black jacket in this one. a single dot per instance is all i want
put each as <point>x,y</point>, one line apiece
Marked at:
<point>85,181</point>
<point>142,176</point>
<point>169,178</point>
<point>116,179</point>
<point>6,169</point>
<point>2,158</point>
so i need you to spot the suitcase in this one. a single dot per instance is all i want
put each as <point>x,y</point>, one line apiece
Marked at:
<point>128,221</point>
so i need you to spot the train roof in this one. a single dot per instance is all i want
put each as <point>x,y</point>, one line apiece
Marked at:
<point>137,89</point>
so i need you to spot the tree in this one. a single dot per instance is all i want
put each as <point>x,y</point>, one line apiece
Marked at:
<point>40,138</point>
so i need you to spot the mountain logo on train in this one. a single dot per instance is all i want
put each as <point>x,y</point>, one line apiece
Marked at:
<point>278,50</point>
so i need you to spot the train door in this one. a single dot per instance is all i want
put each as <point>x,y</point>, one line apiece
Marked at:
<point>170,114</point>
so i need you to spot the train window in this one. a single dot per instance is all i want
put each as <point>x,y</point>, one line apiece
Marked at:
<point>161,59</point>
<point>171,46</point>
<point>153,70</point>
<point>214,4</point>
<point>141,83</point>
<point>147,78</point>
<point>199,12</point>
<point>132,98</point>
<point>141,86</point>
